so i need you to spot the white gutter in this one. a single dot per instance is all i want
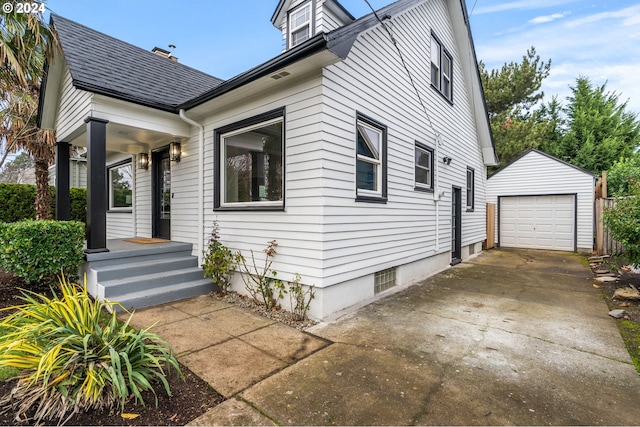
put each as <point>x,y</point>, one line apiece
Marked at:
<point>200,183</point>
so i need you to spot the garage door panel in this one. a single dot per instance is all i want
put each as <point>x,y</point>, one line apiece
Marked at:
<point>538,222</point>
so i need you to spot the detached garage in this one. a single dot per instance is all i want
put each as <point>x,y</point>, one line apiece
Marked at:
<point>543,203</point>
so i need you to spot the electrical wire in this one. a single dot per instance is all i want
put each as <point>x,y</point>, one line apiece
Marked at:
<point>404,65</point>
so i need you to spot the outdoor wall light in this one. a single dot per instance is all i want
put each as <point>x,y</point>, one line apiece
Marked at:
<point>446,160</point>
<point>175,151</point>
<point>143,161</point>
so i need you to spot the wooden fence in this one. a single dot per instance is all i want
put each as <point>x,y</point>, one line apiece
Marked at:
<point>491,226</point>
<point>605,244</point>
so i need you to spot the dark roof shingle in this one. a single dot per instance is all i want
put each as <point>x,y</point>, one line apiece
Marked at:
<point>105,65</point>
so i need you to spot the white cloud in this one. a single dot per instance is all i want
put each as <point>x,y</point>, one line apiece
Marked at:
<point>520,5</point>
<point>548,18</point>
<point>629,17</point>
<point>603,46</point>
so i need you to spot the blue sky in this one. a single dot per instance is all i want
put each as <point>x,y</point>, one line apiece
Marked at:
<point>599,39</point>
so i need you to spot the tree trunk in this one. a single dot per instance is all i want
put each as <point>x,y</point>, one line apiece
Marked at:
<point>43,197</point>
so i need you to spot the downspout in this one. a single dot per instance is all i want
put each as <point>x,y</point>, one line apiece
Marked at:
<point>200,183</point>
<point>436,193</point>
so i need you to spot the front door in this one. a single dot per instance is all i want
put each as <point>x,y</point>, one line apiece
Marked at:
<point>456,225</point>
<point>161,194</point>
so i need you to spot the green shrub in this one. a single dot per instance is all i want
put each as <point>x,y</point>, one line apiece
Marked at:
<point>623,221</point>
<point>76,357</point>
<point>40,250</point>
<point>17,202</point>
<point>219,261</point>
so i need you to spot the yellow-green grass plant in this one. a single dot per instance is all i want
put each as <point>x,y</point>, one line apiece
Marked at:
<point>75,355</point>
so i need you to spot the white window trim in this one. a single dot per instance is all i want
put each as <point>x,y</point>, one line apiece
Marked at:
<point>307,23</point>
<point>471,188</point>
<point>422,185</point>
<point>110,188</point>
<point>223,148</point>
<point>367,159</point>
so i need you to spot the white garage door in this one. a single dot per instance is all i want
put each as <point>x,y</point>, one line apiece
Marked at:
<point>538,222</point>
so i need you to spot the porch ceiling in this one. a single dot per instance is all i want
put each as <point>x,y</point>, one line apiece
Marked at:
<point>129,139</point>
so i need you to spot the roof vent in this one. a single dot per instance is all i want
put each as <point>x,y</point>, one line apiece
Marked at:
<point>164,53</point>
<point>280,75</point>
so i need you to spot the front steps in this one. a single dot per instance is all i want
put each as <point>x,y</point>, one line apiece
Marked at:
<point>143,275</point>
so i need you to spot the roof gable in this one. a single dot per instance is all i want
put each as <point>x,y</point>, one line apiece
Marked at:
<point>105,65</point>
<point>533,151</point>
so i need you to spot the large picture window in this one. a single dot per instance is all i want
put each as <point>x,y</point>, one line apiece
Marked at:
<point>121,186</point>
<point>371,147</point>
<point>250,163</point>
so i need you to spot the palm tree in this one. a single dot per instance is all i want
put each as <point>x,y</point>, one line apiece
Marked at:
<point>25,41</point>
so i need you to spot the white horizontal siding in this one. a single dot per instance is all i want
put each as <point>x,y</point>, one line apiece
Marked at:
<point>119,225</point>
<point>361,238</point>
<point>298,229</point>
<point>75,106</point>
<point>538,174</point>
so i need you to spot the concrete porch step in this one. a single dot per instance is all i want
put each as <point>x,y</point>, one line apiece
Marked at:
<point>144,267</point>
<point>133,284</point>
<point>139,275</point>
<point>164,294</point>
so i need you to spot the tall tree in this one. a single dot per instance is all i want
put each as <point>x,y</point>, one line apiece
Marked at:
<point>511,95</point>
<point>599,131</point>
<point>25,41</point>
<point>17,170</point>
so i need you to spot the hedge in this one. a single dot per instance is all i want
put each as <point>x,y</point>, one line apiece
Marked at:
<point>41,250</point>
<point>17,202</point>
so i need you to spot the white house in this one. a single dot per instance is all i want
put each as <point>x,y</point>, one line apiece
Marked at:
<point>362,149</point>
<point>543,203</point>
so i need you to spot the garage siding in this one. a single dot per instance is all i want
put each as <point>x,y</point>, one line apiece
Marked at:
<point>536,173</point>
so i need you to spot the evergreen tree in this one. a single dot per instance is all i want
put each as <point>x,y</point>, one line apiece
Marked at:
<point>511,94</point>
<point>599,129</point>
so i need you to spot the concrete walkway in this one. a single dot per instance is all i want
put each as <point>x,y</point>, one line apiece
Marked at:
<point>512,337</point>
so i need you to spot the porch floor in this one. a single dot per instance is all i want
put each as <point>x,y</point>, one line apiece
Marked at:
<point>119,247</point>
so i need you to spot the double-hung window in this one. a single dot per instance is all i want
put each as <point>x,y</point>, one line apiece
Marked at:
<point>120,186</point>
<point>371,168</point>
<point>423,167</point>
<point>471,189</point>
<point>249,163</point>
<point>300,24</point>
<point>441,69</point>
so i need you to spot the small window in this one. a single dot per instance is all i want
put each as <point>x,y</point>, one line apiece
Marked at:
<point>371,142</point>
<point>470,189</point>
<point>423,167</point>
<point>441,69</point>
<point>250,163</point>
<point>300,25</point>
<point>121,186</point>
<point>384,279</point>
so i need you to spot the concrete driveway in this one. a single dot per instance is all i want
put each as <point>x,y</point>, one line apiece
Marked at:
<point>511,337</point>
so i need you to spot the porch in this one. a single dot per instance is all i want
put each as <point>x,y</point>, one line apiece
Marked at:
<point>142,272</point>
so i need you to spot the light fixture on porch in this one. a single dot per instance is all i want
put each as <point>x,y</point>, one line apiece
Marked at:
<point>175,151</point>
<point>143,161</point>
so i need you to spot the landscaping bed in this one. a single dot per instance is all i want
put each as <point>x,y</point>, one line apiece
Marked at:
<point>629,322</point>
<point>191,398</point>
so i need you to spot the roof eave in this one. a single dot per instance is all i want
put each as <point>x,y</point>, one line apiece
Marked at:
<point>310,47</point>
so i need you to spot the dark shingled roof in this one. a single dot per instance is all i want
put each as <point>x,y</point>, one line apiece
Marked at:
<point>105,65</point>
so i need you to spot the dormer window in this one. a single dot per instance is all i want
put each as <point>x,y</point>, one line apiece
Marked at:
<point>300,24</point>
